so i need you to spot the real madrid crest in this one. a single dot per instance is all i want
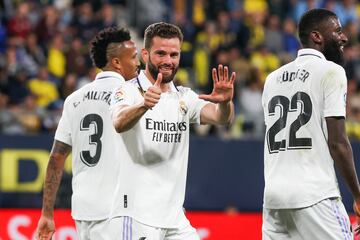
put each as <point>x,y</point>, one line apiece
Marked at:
<point>183,108</point>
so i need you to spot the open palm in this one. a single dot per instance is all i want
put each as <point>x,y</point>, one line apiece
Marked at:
<point>223,90</point>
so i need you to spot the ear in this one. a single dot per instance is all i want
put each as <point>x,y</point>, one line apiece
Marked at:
<point>145,55</point>
<point>316,37</point>
<point>116,63</point>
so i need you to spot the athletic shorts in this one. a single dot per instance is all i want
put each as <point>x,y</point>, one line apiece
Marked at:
<point>325,220</point>
<point>90,230</point>
<point>127,228</point>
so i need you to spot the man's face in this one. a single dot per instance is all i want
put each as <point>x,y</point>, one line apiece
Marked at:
<point>129,60</point>
<point>163,57</point>
<point>334,41</point>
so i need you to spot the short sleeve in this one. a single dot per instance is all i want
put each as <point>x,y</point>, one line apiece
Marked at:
<point>122,95</point>
<point>335,89</point>
<point>195,106</point>
<point>63,131</point>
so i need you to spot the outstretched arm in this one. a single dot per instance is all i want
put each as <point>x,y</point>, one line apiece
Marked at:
<point>341,152</point>
<point>221,108</point>
<point>58,155</point>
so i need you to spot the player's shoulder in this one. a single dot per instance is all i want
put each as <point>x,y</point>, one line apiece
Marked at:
<point>132,82</point>
<point>186,92</point>
<point>129,85</point>
<point>326,69</point>
<point>273,75</point>
<point>128,88</point>
<point>323,66</point>
<point>74,95</point>
<point>78,94</point>
<point>331,66</point>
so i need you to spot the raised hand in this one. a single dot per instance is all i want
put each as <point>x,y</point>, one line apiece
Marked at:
<point>223,90</point>
<point>152,95</point>
<point>45,229</point>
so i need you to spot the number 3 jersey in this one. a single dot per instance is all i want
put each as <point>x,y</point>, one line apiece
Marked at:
<point>152,183</point>
<point>299,170</point>
<point>86,125</point>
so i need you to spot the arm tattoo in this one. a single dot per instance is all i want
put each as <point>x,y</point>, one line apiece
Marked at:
<point>54,172</point>
<point>60,148</point>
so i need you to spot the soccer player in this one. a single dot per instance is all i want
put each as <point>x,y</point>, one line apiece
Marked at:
<point>153,117</point>
<point>85,128</point>
<point>304,107</point>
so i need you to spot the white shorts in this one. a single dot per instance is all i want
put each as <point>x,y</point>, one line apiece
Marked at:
<point>127,228</point>
<point>325,220</point>
<point>89,230</point>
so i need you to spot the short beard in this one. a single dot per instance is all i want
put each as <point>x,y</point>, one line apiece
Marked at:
<point>154,71</point>
<point>333,53</point>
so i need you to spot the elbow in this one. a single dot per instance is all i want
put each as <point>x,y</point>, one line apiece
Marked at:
<point>230,118</point>
<point>335,146</point>
<point>226,121</point>
<point>119,128</point>
<point>339,143</point>
<point>227,117</point>
<point>340,148</point>
<point>118,122</point>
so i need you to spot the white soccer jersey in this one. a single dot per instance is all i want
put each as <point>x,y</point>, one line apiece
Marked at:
<point>299,170</point>
<point>152,183</point>
<point>86,125</point>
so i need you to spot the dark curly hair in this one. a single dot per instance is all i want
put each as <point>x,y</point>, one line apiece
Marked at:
<point>163,30</point>
<point>99,44</point>
<point>313,20</point>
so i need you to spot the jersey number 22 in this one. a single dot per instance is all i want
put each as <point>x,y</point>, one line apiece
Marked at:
<point>286,106</point>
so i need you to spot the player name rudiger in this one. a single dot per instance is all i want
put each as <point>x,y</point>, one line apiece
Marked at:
<point>300,74</point>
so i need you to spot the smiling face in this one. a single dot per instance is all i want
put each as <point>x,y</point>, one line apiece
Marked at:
<point>334,40</point>
<point>162,57</point>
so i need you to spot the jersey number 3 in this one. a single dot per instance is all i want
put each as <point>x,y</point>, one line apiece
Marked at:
<point>286,106</point>
<point>94,139</point>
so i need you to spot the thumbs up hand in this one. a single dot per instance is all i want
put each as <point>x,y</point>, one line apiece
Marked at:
<point>153,94</point>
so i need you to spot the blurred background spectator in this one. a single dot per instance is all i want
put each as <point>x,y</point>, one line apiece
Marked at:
<point>44,52</point>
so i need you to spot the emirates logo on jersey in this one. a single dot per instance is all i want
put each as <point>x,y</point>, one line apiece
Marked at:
<point>119,95</point>
<point>183,108</point>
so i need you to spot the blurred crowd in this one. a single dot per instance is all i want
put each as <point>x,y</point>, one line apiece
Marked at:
<point>44,52</point>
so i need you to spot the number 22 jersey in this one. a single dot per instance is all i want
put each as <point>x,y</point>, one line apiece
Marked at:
<point>86,125</point>
<point>298,168</point>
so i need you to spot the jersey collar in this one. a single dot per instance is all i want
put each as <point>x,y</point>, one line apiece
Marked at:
<point>308,52</point>
<point>109,75</point>
<point>144,82</point>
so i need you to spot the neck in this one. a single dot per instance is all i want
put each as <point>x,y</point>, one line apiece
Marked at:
<point>165,87</point>
<point>106,68</point>
<point>314,46</point>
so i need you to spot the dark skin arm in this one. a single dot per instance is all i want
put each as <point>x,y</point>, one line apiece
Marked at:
<point>341,152</point>
<point>54,172</point>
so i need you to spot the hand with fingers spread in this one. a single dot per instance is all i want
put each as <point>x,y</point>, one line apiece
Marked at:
<point>153,93</point>
<point>45,229</point>
<point>223,90</point>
